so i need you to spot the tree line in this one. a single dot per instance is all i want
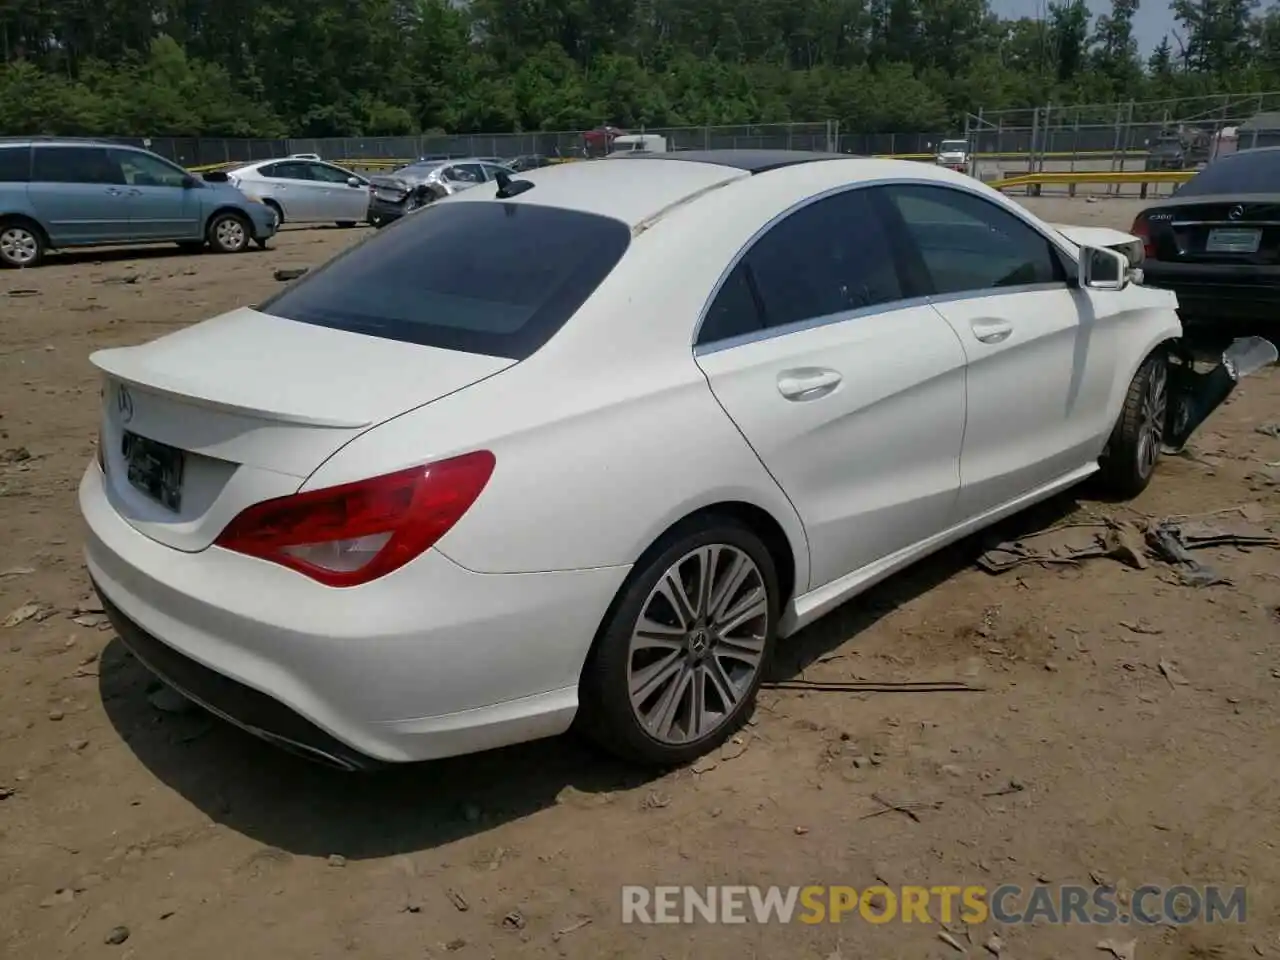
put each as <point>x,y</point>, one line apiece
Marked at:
<point>317,68</point>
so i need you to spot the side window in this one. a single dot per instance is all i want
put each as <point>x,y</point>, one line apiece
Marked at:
<point>734,310</point>
<point>15,164</point>
<point>491,171</point>
<point>144,170</point>
<point>465,173</point>
<point>327,174</point>
<point>829,257</point>
<point>968,243</point>
<point>270,170</point>
<point>88,165</point>
<point>293,170</point>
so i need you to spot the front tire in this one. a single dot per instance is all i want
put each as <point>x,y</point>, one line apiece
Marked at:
<point>229,233</point>
<point>22,244</point>
<point>680,656</point>
<point>1130,459</point>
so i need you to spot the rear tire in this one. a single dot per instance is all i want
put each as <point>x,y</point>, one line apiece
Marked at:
<point>229,233</point>
<point>707,594</point>
<point>22,243</point>
<point>1130,459</point>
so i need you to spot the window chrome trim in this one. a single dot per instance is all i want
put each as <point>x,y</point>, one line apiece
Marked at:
<point>813,323</point>
<point>1058,241</point>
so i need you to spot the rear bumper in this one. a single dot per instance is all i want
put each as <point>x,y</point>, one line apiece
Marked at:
<point>430,661</point>
<point>1208,295</point>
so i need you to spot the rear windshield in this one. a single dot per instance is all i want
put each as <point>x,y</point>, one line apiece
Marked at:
<point>477,276</point>
<point>950,146</point>
<point>1250,171</point>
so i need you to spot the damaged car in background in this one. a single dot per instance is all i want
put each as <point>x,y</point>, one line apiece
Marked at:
<point>605,437</point>
<point>416,184</point>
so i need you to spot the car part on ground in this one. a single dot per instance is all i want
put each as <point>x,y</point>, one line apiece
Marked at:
<point>60,194</point>
<point>840,404</point>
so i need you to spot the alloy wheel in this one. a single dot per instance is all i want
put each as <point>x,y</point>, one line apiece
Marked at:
<point>1155,403</point>
<point>19,246</point>
<point>698,644</point>
<point>230,233</point>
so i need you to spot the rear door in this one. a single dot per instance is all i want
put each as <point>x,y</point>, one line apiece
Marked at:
<point>293,188</point>
<point>160,206</point>
<point>79,194</point>
<point>1041,351</point>
<point>340,200</point>
<point>847,385</point>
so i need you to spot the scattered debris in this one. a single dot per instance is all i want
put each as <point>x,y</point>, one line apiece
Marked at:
<point>456,944</point>
<point>7,792</point>
<point>734,748</point>
<point>514,920</point>
<point>563,931</point>
<point>285,274</point>
<point>655,801</point>
<point>337,860</point>
<point>15,455</point>
<point>24,292</point>
<point>877,686</point>
<point>22,614</point>
<point>801,831</point>
<point>91,619</point>
<point>951,941</point>
<point>994,945</point>
<point>906,807</point>
<point>78,744</point>
<point>1170,672</point>
<point>1014,786</point>
<point>1140,627</point>
<point>1267,429</point>
<point>56,715</point>
<point>1168,540</point>
<point>117,936</point>
<point>704,765</point>
<point>458,900</point>
<point>17,572</point>
<point>1120,950</point>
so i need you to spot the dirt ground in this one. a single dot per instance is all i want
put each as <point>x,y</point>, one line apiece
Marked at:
<point>206,844</point>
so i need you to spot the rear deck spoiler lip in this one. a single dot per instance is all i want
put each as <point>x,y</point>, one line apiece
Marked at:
<point>115,363</point>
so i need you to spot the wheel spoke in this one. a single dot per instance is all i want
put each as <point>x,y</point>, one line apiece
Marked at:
<point>707,560</point>
<point>672,588</point>
<point>724,686</point>
<point>650,634</point>
<point>648,679</point>
<point>664,713</point>
<point>753,605</point>
<point>729,586</point>
<point>746,650</point>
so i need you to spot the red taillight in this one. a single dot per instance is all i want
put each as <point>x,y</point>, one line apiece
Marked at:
<point>1142,230</point>
<point>350,534</point>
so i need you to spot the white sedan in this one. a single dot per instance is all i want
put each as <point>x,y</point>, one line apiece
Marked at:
<point>587,444</point>
<point>302,190</point>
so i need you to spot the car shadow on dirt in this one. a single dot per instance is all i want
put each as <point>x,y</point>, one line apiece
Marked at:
<point>306,809</point>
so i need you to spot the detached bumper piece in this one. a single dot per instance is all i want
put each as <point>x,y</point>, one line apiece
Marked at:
<point>1195,395</point>
<point>250,710</point>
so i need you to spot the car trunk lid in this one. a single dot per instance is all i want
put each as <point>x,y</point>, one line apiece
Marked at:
<point>1217,230</point>
<point>201,423</point>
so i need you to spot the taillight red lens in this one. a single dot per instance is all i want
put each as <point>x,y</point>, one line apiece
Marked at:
<point>350,534</point>
<point>1142,230</point>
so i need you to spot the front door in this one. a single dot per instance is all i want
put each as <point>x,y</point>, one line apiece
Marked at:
<point>160,206</point>
<point>852,396</point>
<point>1041,353</point>
<point>79,194</point>
<point>340,200</point>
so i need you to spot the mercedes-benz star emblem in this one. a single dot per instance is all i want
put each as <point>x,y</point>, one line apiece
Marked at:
<point>124,404</point>
<point>1236,212</point>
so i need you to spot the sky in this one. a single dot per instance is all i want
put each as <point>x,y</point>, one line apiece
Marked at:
<point>1152,21</point>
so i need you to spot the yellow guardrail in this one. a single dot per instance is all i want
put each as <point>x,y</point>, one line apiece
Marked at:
<point>1093,176</point>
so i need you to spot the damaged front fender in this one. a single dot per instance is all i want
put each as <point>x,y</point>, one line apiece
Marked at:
<point>1194,394</point>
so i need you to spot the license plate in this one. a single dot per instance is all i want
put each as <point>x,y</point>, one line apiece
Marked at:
<point>155,469</point>
<point>1233,241</point>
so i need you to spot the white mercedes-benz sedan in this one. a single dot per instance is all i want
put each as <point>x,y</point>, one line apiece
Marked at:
<point>582,447</point>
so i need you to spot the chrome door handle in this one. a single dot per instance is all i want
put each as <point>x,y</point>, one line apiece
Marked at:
<point>135,192</point>
<point>992,331</point>
<point>808,383</point>
<point>112,191</point>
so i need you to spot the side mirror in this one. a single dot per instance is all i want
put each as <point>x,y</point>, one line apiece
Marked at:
<point>354,182</point>
<point>189,182</point>
<point>1103,269</point>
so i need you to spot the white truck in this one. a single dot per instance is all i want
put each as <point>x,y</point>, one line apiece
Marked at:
<point>637,143</point>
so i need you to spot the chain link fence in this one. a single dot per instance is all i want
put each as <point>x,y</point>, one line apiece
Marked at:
<point>1084,137</point>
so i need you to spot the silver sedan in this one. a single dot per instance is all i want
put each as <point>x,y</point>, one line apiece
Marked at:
<point>305,191</point>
